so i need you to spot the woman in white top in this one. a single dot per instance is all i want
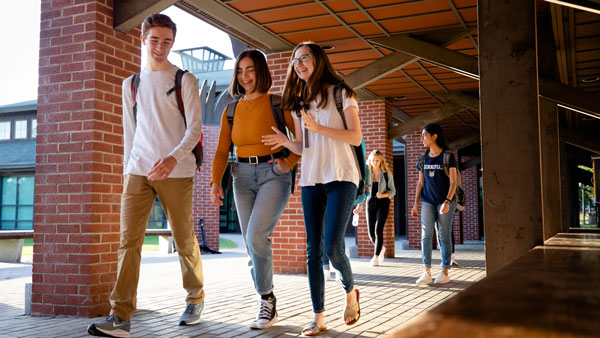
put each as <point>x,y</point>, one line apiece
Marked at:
<point>329,176</point>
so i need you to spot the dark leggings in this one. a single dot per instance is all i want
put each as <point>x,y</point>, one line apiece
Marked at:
<point>377,213</point>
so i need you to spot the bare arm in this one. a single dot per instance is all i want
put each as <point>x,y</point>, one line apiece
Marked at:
<point>451,191</point>
<point>414,212</point>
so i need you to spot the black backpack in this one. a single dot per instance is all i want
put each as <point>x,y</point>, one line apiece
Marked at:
<point>359,151</point>
<point>460,192</point>
<point>198,150</point>
<point>279,119</point>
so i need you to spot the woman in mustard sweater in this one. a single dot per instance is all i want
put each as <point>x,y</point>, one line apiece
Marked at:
<point>261,176</point>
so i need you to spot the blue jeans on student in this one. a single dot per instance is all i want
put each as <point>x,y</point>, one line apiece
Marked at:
<point>261,193</point>
<point>327,209</point>
<point>430,214</point>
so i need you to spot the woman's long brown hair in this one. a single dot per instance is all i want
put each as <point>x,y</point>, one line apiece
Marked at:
<point>296,90</point>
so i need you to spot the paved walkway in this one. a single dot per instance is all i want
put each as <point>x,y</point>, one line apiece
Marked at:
<point>388,298</point>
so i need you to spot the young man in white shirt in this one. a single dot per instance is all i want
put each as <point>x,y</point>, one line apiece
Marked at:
<point>158,161</point>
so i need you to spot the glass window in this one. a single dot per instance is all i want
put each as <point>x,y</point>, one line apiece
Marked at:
<point>158,219</point>
<point>33,128</point>
<point>21,129</point>
<point>5,130</point>
<point>17,202</point>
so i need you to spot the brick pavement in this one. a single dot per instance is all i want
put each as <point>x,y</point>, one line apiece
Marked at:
<point>388,298</point>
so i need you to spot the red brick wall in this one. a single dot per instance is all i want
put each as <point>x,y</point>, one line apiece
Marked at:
<point>289,237</point>
<point>469,217</point>
<point>414,148</point>
<point>375,119</point>
<point>82,63</point>
<point>203,208</point>
<point>471,213</point>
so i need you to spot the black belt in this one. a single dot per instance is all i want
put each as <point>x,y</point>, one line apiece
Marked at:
<point>260,159</point>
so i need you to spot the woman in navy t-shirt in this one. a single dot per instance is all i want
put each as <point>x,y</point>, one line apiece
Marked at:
<point>435,189</point>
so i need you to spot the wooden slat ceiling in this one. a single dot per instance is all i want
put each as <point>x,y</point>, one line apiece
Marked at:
<point>350,25</point>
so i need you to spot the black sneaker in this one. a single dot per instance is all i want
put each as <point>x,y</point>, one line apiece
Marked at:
<point>267,315</point>
<point>112,326</point>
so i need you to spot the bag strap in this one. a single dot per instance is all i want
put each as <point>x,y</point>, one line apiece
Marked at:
<point>177,90</point>
<point>135,83</point>
<point>279,118</point>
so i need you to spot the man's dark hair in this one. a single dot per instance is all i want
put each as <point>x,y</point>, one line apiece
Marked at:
<point>158,20</point>
<point>261,69</point>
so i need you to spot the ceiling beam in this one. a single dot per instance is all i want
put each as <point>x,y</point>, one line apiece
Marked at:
<point>378,69</point>
<point>235,23</point>
<point>364,94</point>
<point>571,98</point>
<point>400,115</point>
<point>396,60</point>
<point>587,141</point>
<point>460,98</point>
<point>465,141</point>
<point>417,123</point>
<point>440,56</point>
<point>128,14</point>
<point>470,163</point>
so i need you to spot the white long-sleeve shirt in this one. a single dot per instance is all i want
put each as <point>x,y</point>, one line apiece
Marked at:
<point>160,130</point>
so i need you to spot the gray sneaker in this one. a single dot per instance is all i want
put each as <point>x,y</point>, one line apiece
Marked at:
<point>112,326</point>
<point>191,315</point>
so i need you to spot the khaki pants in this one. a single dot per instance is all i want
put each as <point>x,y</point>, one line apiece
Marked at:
<point>138,197</point>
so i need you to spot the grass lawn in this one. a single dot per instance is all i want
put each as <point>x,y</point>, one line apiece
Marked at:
<point>150,244</point>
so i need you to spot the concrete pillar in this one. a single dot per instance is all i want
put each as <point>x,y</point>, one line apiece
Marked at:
<point>509,129</point>
<point>550,168</point>
<point>78,182</point>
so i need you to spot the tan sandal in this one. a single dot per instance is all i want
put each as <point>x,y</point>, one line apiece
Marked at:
<point>315,329</point>
<point>352,311</point>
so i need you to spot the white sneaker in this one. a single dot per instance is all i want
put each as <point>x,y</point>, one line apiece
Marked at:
<point>374,261</point>
<point>425,278</point>
<point>382,255</point>
<point>442,278</point>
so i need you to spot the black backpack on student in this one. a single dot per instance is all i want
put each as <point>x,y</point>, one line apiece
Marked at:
<point>460,192</point>
<point>279,119</point>
<point>198,150</point>
<point>359,151</point>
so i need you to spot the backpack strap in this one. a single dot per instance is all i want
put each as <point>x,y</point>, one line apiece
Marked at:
<point>279,118</point>
<point>422,160</point>
<point>337,93</point>
<point>135,83</point>
<point>177,90</point>
<point>446,162</point>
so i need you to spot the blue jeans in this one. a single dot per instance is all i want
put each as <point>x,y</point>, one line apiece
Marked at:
<point>261,193</point>
<point>430,214</point>
<point>327,209</point>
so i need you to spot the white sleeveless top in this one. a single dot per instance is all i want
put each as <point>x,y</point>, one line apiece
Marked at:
<point>327,160</point>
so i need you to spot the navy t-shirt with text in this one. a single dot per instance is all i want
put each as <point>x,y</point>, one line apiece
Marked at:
<point>436,183</point>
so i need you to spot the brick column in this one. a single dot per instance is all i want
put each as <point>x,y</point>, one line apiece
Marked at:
<point>78,180</point>
<point>202,206</point>
<point>375,119</point>
<point>289,237</point>
<point>413,149</point>
<point>470,215</point>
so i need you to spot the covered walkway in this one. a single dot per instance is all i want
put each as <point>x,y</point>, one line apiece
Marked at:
<point>389,297</point>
